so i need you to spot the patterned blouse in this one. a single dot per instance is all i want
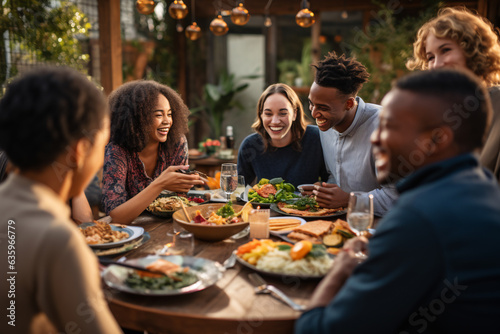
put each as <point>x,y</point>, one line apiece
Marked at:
<point>124,175</point>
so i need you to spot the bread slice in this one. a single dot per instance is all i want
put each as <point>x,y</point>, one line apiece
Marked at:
<point>316,228</point>
<point>301,236</point>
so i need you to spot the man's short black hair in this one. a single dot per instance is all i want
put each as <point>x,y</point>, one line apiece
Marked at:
<point>345,74</point>
<point>467,106</point>
<point>45,111</point>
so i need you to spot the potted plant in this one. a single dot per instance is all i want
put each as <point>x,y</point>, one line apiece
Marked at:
<point>219,98</point>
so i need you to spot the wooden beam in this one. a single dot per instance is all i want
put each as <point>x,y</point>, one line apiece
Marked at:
<point>271,51</point>
<point>110,45</point>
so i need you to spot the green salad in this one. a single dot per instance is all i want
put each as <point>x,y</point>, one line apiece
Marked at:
<point>174,281</point>
<point>272,191</point>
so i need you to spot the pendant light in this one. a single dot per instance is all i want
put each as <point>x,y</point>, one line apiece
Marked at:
<point>178,10</point>
<point>193,32</point>
<point>218,26</point>
<point>305,18</point>
<point>240,15</point>
<point>145,7</point>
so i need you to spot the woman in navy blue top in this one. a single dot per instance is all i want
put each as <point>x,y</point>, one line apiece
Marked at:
<point>283,145</point>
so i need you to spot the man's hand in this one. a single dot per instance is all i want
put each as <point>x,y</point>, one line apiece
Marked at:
<point>330,196</point>
<point>342,268</point>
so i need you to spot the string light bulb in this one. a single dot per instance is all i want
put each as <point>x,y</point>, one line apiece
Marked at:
<point>240,15</point>
<point>145,7</point>
<point>193,32</point>
<point>305,17</point>
<point>218,26</point>
<point>344,15</point>
<point>178,10</point>
<point>179,27</point>
<point>268,22</point>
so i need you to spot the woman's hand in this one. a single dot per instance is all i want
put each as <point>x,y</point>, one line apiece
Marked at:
<point>172,180</point>
<point>330,196</point>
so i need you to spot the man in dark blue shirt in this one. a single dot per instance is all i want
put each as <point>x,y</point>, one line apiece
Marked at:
<point>434,263</point>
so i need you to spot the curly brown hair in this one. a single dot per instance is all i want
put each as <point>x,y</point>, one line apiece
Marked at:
<point>345,74</point>
<point>131,108</point>
<point>474,34</point>
<point>298,126</point>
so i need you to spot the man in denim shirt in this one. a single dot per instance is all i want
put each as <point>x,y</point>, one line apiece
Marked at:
<point>434,263</point>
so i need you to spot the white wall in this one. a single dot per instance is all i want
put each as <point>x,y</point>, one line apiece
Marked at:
<point>246,55</point>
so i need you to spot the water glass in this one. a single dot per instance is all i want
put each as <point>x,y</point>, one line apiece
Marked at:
<point>228,179</point>
<point>240,189</point>
<point>179,243</point>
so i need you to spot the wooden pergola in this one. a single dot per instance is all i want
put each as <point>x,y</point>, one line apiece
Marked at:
<point>111,43</point>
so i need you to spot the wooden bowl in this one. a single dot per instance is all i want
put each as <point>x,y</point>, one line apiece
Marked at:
<point>208,232</point>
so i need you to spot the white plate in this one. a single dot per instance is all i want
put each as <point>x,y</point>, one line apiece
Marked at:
<point>275,274</point>
<point>208,272</point>
<point>302,222</point>
<point>134,232</point>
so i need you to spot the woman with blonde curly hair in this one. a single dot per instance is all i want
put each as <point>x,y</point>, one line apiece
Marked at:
<point>147,147</point>
<point>457,38</point>
<point>283,145</point>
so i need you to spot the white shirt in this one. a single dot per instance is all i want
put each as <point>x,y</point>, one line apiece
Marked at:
<point>349,159</point>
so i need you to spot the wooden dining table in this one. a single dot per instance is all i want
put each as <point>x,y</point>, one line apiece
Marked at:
<point>229,306</point>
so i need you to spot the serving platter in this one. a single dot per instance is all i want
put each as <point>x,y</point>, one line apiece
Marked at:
<point>283,232</point>
<point>125,248</point>
<point>167,213</point>
<point>134,232</point>
<point>207,271</point>
<point>275,208</point>
<point>276,274</point>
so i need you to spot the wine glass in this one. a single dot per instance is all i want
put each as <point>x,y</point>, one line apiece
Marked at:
<point>228,179</point>
<point>360,215</point>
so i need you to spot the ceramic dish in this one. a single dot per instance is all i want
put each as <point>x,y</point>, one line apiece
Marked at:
<point>125,248</point>
<point>207,271</point>
<point>134,232</point>
<point>208,232</point>
<point>302,222</point>
<point>275,208</point>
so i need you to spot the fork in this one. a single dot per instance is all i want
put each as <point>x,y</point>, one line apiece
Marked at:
<point>262,287</point>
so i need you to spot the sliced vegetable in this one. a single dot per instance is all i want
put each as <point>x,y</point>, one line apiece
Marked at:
<point>276,180</point>
<point>301,249</point>
<point>345,233</point>
<point>333,240</point>
<point>263,181</point>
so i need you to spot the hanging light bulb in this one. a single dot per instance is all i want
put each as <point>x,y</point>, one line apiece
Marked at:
<point>178,10</point>
<point>305,18</point>
<point>239,15</point>
<point>179,27</point>
<point>218,26</point>
<point>145,7</point>
<point>268,22</point>
<point>193,32</point>
<point>344,15</point>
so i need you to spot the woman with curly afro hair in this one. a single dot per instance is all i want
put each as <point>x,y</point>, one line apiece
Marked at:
<point>146,149</point>
<point>457,38</point>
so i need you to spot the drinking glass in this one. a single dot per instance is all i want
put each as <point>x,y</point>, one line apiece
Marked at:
<point>259,223</point>
<point>240,188</point>
<point>228,179</point>
<point>179,243</point>
<point>360,215</point>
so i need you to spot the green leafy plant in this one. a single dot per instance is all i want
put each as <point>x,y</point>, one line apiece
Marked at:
<point>385,47</point>
<point>220,98</point>
<point>42,31</point>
